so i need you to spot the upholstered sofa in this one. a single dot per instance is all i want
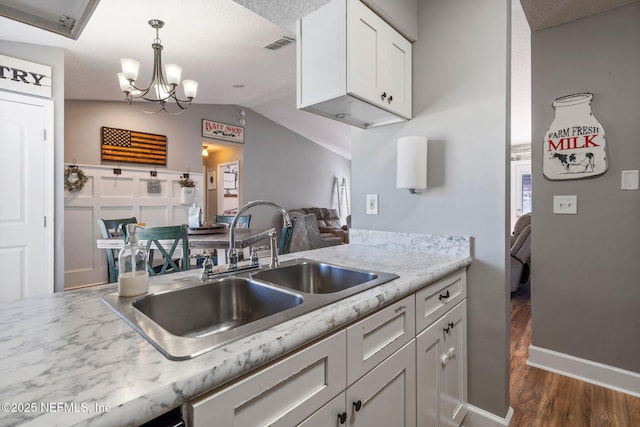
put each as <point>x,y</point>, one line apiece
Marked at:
<point>328,222</point>
<point>306,234</point>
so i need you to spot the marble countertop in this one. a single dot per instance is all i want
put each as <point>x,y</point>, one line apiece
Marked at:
<point>67,359</point>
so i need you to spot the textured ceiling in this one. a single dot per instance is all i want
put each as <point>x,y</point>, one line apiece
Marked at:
<point>543,14</point>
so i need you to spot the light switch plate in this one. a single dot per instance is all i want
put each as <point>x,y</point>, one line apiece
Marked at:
<point>630,180</point>
<point>565,205</point>
<point>372,204</point>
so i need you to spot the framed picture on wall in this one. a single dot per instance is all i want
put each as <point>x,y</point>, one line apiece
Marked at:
<point>211,181</point>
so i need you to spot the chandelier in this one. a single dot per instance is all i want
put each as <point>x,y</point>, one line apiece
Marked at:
<point>162,88</point>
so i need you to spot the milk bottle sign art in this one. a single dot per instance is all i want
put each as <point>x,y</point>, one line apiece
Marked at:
<point>575,144</point>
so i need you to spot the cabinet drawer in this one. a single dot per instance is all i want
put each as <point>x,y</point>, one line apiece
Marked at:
<point>438,298</point>
<point>282,394</point>
<point>376,337</point>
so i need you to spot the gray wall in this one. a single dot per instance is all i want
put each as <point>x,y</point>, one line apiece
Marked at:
<point>276,164</point>
<point>53,57</point>
<point>284,167</point>
<point>461,103</point>
<point>585,287</point>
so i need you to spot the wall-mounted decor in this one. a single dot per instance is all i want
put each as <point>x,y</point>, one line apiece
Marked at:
<point>225,132</point>
<point>120,145</point>
<point>74,178</point>
<point>575,144</point>
<point>211,181</point>
<point>25,76</point>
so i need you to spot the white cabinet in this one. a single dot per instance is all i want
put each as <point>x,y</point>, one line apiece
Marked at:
<point>441,359</point>
<point>378,61</point>
<point>282,394</point>
<point>352,66</point>
<point>383,397</point>
<point>375,372</point>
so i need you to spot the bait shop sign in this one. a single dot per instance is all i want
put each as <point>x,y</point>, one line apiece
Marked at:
<point>575,144</point>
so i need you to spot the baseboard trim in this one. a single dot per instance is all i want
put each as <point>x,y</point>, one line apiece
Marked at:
<point>585,370</point>
<point>477,417</point>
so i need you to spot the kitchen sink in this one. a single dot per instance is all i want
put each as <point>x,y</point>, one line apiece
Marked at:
<point>186,317</point>
<point>217,307</point>
<point>314,277</point>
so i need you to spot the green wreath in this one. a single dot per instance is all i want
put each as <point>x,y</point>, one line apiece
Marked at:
<point>74,178</point>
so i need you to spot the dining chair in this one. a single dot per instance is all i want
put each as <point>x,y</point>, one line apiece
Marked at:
<point>176,236</point>
<point>243,220</point>
<point>110,228</point>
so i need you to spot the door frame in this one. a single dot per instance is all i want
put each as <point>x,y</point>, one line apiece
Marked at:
<point>220,186</point>
<point>49,208</point>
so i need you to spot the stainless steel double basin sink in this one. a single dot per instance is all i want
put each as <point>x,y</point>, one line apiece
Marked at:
<point>186,318</point>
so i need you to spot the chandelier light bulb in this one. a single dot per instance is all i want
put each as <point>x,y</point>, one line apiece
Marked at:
<point>125,86</point>
<point>130,68</point>
<point>173,73</point>
<point>190,88</point>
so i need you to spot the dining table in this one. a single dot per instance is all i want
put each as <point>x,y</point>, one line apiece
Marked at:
<point>204,238</point>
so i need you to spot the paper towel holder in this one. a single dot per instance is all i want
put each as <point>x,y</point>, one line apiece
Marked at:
<point>412,163</point>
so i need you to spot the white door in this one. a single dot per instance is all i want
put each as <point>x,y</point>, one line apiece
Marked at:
<point>26,211</point>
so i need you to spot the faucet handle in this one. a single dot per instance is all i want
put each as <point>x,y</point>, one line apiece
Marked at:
<point>254,257</point>
<point>273,246</point>
<point>207,267</point>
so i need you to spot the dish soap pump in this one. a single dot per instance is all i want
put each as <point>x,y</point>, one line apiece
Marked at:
<point>133,278</point>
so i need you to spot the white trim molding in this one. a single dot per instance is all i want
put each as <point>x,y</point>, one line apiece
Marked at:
<point>477,417</point>
<point>106,195</point>
<point>585,370</point>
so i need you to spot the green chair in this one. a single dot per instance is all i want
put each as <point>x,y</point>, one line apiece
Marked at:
<point>243,220</point>
<point>179,236</point>
<point>110,228</point>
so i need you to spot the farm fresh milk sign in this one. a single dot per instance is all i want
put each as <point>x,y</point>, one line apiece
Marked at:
<point>574,145</point>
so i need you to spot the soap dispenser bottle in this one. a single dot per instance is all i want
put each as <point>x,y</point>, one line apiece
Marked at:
<point>133,278</point>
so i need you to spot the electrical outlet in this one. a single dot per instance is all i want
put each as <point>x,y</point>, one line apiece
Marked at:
<point>565,205</point>
<point>372,204</point>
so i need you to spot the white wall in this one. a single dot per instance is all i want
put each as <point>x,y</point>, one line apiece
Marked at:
<point>461,103</point>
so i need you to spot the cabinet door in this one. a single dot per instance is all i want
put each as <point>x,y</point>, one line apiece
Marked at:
<point>365,36</point>
<point>397,74</point>
<point>378,336</point>
<point>330,415</point>
<point>441,361</point>
<point>282,394</point>
<point>386,395</point>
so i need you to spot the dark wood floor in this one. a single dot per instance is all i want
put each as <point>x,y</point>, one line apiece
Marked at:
<point>541,398</point>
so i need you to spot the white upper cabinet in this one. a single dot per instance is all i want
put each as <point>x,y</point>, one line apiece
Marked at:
<point>352,66</point>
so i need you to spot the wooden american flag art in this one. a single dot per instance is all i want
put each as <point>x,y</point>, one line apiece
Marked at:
<point>121,145</point>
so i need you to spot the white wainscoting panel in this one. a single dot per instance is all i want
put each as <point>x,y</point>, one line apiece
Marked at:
<point>106,195</point>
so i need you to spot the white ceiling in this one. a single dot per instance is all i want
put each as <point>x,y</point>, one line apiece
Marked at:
<point>220,43</point>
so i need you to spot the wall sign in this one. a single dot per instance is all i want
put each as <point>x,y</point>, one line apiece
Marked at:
<point>225,132</point>
<point>575,144</point>
<point>25,77</point>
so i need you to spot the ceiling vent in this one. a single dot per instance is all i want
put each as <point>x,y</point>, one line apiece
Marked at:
<point>279,43</point>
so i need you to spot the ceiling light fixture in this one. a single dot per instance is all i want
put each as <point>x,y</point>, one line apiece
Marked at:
<point>163,85</point>
<point>205,152</point>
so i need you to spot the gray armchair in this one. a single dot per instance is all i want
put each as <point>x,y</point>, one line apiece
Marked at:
<point>521,252</point>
